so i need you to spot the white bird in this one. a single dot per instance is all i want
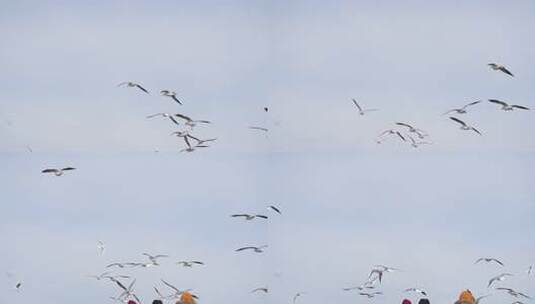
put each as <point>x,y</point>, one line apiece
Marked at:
<point>132,85</point>
<point>465,126</point>
<point>501,68</point>
<point>154,258</point>
<point>488,260</point>
<point>417,290</point>
<point>259,249</point>
<point>170,94</point>
<point>499,278</point>
<point>530,270</point>
<point>250,217</point>
<point>189,263</point>
<point>167,115</point>
<point>506,106</point>
<point>419,132</point>
<point>58,172</point>
<point>101,248</point>
<point>264,289</point>
<point>361,110</point>
<point>462,110</point>
<point>514,293</point>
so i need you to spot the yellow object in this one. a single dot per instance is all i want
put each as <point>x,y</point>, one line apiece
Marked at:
<point>466,297</point>
<point>186,298</point>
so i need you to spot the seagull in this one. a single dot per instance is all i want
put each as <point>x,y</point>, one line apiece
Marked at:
<point>370,295</point>
<point>191,122</point>
<point>387,133</point>
<point>255,249</point>
<point>170,116</point>
<point>464,126</point>
<point>297,295</point>
<point>249,217</point>
<point>379,270</point>
<point>264,289</point>
<point>499,278</point>
<point>101,248</point>
<point>189,263</point>
<point>421,133</point>
<point>463,109</point>
<point>361,110</point>
<point>514,293</point>
<point>132,85</point>
<point>530,269</point>
<point>259,128</point>
<point>170,94</point>
<point>120,265</point>
<point>154,258</point>
<point>58,172</point>
<point>127,292</point>
<point>275,209</point>
<point>501,68</point>
<point>416,144</point>
<point>488,260</point>
<point>506,106</point>
<point>417,290</point>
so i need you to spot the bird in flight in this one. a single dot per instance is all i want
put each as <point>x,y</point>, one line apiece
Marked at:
<point>170,116</point>
<point>462,110</point>
<point>489,260</point>
<point>514,293</point>
<point>419,132</point>
<point>497,67</point>
<point>154,258</point>
<point>189,263</point>
<point>417,290</point>
<point>499,278</point>
<point>100,247</point>
<point>275,209</point>
<point>506,106</point>
<point>465,126</point>
<point>171,94</point>
<point>389,132</point>
<point>133,85</point>
<point>250,217</point>
<point>259,249</point>
<point>264,289</point>
<point>530,270</point>
<point>361,110</point>
<point>58,172</point>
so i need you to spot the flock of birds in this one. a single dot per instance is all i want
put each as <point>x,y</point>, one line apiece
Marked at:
<point>403,131</point>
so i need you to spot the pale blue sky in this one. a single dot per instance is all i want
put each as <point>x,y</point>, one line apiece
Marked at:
<point>348,203</point>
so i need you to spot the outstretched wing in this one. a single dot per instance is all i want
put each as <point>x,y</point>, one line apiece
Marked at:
<point>498,102</point>
<point>457,120</point>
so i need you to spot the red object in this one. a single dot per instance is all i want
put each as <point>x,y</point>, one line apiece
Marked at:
<point>131,302</point>
<point>406,301</point>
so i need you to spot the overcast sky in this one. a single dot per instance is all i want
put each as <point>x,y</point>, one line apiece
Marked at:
<point>347,202</point>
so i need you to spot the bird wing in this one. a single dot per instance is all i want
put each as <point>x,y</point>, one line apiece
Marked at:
<point>197,262</point>
<point>498,102</point>
<point>50,171</point>
<point>458,120</point>
<point>476,130</point>
<point>520,107</point>
<point>506,71</point>
<point>357,104</point>
<point>471,104</point>
<point>259,128</point>
<point>261,216</point>
<point>183,117</point>
<point>173,120</point>
<point>275,209</point>
<point>497,261</point>
<point>170,286</point>
<point>240,215</point>
<point>142,88</point>
<point>245,248</point>
<point>187,141</point>
<point>68,169</point>
<point>401,136</point>
<point>176,99</point>
<point>404,124</point>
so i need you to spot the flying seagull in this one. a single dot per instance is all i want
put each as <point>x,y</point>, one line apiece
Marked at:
<point>501,68</point>
<point>389,132</point>
<point>499,278</point>
<point>514,293</point>
<point>506,106</point>
<point>255,249</point>
<point>462,110</point>
<point>530,270</point>
<point>100,247</point>
<point>191,122</point>
<point>58,172</point>
<point>275,209</point>
<point>132,85</point>
<point>488,260</point>
<point>154,258</point>
<point>361,110</point>
<point>259,128</point>
<point>189,263</point>
<point>170,116</point>
<point>417,290</point>
<point>249,217</point>
<point>170,94</point>
<point>264,289</point>
<point>464,126</point>
<point>421,133</point>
